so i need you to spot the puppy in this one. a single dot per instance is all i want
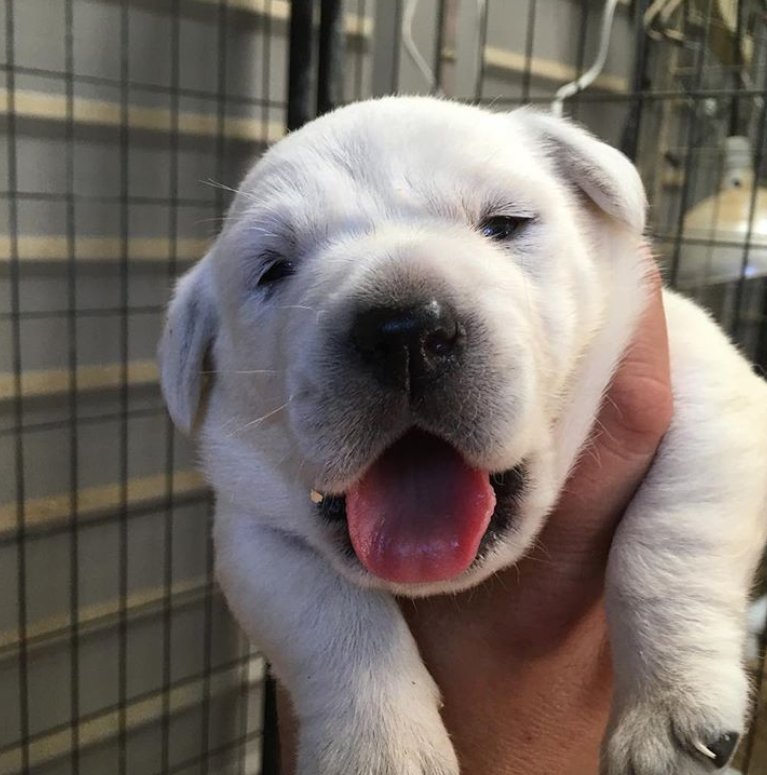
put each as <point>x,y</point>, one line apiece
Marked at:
<point>411,316</point>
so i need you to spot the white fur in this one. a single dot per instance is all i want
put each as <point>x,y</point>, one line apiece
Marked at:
<point>385,197</point>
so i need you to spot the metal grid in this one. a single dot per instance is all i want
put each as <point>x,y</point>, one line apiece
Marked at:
<point>107,552</point>
<point>126,124</point>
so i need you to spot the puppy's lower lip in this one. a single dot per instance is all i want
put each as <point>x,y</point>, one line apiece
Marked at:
<point>331,507</point>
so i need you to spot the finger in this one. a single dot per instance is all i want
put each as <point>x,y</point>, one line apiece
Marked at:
<point>634,416</point>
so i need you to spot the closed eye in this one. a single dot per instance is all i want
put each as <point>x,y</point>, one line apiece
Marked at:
<point>502,227</point>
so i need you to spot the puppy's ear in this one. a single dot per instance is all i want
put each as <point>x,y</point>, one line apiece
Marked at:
<point>603,173</point>
<point>190,329</point>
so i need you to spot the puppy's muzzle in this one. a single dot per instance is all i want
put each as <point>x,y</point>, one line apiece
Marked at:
<point>407,347</point>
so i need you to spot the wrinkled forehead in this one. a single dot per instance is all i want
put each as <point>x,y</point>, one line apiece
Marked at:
<point>391,158</point>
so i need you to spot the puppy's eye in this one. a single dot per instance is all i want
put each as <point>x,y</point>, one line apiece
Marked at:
<point>279,270</point>
<point>501,227</point>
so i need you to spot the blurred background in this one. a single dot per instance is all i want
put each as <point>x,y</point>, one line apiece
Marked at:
<point>124,125</point>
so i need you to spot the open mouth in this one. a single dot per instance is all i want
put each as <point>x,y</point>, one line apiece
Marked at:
<point>421,513</point>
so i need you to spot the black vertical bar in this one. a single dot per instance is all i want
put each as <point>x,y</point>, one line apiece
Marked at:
<point>18,406</point>
<point>692,126</point>
<point>332,53</point>
<point>760,355</point>
<point>123,569</point>
<point>439,45</point>
<point>207,655</point>
<point>758,159</point>
<point>170,436</point>
<point>737,62</point>
<point>300,63</point>
<point>580,57</point>
<point>271,733</point>
<point>529,46</point>
<point>755,705</point>
<point>630,141</point>
<point>74,447</point>
<point>243,698</point>
<point>761,343</point>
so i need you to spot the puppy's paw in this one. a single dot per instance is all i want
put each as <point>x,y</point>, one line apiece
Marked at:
<point>676,733</point>
<point>392,745</point>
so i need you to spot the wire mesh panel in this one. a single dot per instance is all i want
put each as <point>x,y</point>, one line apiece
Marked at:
<point>123,124</point>
<point>126,124</point>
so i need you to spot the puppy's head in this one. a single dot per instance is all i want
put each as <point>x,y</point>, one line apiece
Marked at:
<point>395,314</point>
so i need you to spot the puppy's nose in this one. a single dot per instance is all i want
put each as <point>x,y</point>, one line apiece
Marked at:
<point>408,346</point>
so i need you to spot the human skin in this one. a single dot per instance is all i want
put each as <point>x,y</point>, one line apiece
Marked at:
<point>523,660</point>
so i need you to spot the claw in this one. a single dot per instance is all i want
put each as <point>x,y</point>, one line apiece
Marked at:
<point>720,750</point>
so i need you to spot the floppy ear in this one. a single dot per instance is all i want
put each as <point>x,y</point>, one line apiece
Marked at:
<point>603,173</point>
<point>190,329</point>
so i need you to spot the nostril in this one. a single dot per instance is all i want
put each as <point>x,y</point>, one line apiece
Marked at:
<point>440,343</point>
<point>382,351</point>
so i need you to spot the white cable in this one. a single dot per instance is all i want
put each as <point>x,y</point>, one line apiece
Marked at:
<point>579,84</point>
<point>411,48</point>
<point>408,39</point>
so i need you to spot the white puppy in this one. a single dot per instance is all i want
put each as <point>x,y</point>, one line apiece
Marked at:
<point>411,316</point>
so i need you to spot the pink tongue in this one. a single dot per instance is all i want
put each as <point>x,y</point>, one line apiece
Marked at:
<point>419,513</point>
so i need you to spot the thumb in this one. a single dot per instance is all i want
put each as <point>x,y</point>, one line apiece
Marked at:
<point>635,413</point>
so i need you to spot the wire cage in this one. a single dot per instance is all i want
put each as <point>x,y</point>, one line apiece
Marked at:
<point>126,125</point>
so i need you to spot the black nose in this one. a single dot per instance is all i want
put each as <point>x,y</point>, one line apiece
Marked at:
<point>408,346</point>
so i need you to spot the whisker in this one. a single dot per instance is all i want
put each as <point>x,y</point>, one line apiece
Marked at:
<point>216,219</point>
<point>223,187</point>
<point>261,419</point>
<point>300,306</point>
<point>262,230</point>
<point>317,312</point>
<point>300,469</point>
